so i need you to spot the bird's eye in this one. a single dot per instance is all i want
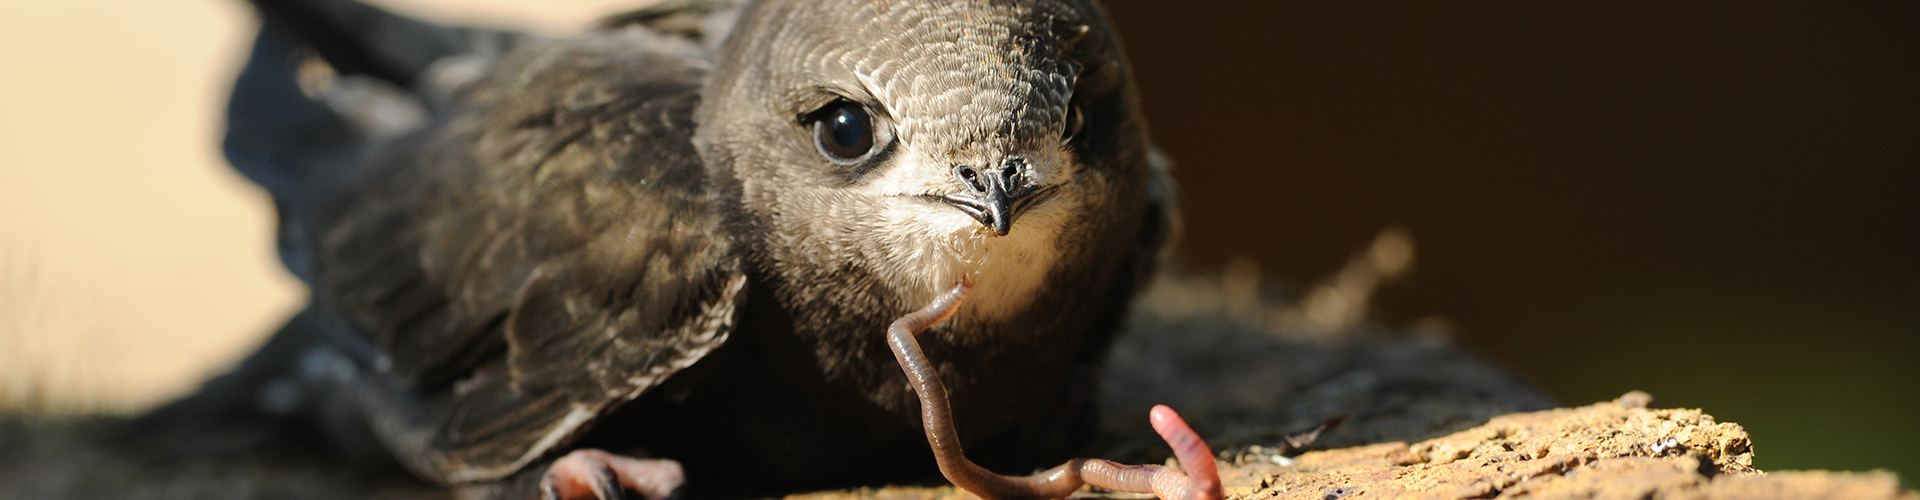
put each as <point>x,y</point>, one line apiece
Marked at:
<point>843,131</point>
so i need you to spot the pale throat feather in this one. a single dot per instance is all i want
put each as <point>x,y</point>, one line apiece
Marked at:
<point>934,247</point>
<point>919,248</point>
<point>930,246</point>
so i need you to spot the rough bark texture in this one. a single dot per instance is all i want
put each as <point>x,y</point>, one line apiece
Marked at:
<point>1617,449</point>
<point>1245,367</point>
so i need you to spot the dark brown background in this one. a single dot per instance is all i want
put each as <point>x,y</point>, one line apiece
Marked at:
<point>1715,203</point>
<point>1712,202</point>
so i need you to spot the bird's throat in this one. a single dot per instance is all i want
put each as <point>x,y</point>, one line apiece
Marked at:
<point>940,248</point>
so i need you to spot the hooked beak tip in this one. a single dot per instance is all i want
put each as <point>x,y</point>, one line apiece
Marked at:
<point>994,212</point>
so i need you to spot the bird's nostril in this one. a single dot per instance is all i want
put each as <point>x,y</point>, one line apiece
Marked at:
<point>971,176</point>
<point>1010,173</point>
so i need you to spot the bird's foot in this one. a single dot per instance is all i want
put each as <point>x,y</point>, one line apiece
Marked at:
<point>598,475</point>
<point>1201,480</point>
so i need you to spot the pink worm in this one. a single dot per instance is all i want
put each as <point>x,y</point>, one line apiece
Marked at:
<point>1200,482</point>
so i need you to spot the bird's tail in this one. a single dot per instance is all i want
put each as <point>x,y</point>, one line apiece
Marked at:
<point>330,82</point>
<point>359,39</point>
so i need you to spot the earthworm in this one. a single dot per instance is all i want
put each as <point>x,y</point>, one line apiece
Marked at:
<point>1200,482</point>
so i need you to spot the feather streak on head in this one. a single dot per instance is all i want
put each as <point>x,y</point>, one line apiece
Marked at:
<point>953,87</point>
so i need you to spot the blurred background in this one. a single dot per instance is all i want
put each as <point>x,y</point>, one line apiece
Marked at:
<point>1715,203</point>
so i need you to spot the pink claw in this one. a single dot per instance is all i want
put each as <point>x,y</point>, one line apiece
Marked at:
<point>589,474</point>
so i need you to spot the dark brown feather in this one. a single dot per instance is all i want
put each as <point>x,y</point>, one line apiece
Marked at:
<point>548,254</point>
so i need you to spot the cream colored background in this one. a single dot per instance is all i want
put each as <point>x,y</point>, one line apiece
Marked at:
<point>133,263</point>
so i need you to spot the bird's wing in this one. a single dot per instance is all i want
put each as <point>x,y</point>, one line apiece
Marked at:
<point>547,255</point>
<point>523,252</point>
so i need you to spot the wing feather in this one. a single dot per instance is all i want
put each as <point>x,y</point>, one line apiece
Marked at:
<point>545,256</point>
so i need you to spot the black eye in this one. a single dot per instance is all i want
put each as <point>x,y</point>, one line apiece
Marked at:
<point>843,131</point>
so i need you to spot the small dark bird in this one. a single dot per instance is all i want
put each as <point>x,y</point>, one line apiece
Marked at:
<point>684,234</point>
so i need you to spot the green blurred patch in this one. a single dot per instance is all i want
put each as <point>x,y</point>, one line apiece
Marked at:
<point>1820,381</point>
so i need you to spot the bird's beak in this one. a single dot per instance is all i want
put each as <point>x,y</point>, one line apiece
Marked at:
<point>994,196</point>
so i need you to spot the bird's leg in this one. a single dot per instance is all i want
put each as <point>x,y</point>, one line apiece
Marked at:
<point>1201,482</point>
<point>598,475</point>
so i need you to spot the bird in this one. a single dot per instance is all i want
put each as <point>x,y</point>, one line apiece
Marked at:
<point>663,255</point>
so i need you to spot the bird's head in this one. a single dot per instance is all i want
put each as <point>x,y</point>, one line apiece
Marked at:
<point>924,142</point>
